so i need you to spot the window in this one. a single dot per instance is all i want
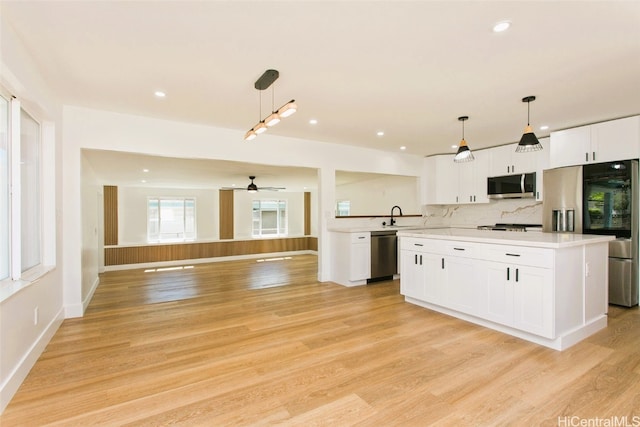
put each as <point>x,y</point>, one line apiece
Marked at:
<point>30,195</point>
<point>343,208</point>
<point>269,218</point>
<point>4,188</point>
<point>27,195</point>
<point>171,220</point>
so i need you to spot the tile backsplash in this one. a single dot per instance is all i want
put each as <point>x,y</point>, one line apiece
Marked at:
<point>518,211</point>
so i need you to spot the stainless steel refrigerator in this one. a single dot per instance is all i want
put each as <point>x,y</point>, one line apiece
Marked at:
<point>599,198</point>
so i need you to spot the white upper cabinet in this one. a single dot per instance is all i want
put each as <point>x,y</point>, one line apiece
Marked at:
<point>450,183</point>
<point>600,142</point>
<point>505,160</point>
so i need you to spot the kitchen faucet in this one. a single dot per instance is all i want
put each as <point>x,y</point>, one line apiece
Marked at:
<point>393,221</point>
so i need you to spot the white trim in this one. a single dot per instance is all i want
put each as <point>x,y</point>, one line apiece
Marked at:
<point>87,300</point>
<point>559,343</point>
<point>14,197</point>
<point>10,386</point>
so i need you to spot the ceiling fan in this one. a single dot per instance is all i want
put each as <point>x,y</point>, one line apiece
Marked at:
<point>252,187</point>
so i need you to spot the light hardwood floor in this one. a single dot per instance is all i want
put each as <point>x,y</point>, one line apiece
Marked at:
<point>249,343</point>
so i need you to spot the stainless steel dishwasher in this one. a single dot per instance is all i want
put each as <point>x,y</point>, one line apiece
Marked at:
<point>384,255</point>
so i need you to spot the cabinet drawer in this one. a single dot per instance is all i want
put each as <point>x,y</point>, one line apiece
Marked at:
<point>461,249</point>
<point>361,237</point>
<point>534,257</point>
<point>420,245</point>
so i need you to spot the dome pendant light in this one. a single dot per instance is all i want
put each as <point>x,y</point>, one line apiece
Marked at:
<point>528,142</point>
<point>464,154</point>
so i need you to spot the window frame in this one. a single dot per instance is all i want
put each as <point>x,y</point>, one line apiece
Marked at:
<point>184,238</point>
<point>282,225</point>
<point>46,187</point>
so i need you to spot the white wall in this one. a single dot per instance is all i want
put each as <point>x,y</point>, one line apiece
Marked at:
<point>243,204</point>
<point>21,339</point>
<point>377,196</point>
<point>92,228</point>
<point>132,212</point>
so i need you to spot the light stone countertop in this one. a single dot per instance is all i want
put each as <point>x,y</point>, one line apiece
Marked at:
<point>515,238</point>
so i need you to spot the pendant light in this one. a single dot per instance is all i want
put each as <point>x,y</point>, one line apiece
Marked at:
<point>265,81</point>
<point>528,142</point>
<point>464,154</point>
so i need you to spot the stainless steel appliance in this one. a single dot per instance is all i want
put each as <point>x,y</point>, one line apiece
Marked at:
<point>511,186</point>
<point>510,227</point>
<point>599,198</point>
<point>384,255</point>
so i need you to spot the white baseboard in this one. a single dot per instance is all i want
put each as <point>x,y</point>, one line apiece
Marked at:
<point>87,300</point>
<point>9,388</point>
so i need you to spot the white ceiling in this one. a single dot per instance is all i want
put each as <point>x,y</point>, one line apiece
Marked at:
<point>409,68</point>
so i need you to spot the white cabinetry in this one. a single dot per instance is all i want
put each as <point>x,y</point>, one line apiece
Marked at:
<point>519,289</point>
<point>422,270</point>
<point>504,160</point>
<point>554,297</point>
<point>350,258</point>
<point>600,142</point>
<point>450,183</point>
<point>360,256</point>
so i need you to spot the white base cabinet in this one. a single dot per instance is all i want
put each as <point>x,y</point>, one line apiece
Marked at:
<point>538,294</point>
<point>515,297</point>
<point>351,258</point>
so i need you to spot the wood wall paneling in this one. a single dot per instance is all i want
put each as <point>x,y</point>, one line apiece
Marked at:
<point>307,213</point>
<point>185,251</point>
<point>226,214</point>
<point>110,215</point>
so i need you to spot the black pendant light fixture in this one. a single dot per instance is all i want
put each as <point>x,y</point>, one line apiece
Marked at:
<point>464,154</point>
<point>528,142</point>
<point>264,82</point>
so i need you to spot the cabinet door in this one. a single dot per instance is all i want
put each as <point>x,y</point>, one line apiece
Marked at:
<point>570,147</point>
<point>447,180</point>
<point>360,266</point>
<point>460,284</point>
<point>497,301</point>
<point>615,140</point>
<point>412,278</point>
<point>500,160</point>
<point>473,179</point>
<point>533,300</point>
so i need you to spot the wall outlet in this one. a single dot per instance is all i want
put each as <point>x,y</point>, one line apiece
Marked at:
<point>35,316</point>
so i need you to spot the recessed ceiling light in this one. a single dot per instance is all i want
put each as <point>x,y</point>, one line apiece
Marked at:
<point>160,94</point>
<point>380,133</point>
<point>501,26</point>
<point>145,170</point>
<point>403,148</point>
<point>455,147</point>
<point>313,122</point>
<point>144,180</point>
<point>544,127</point>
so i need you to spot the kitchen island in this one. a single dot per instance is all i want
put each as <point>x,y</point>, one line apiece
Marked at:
<point>548,288</point>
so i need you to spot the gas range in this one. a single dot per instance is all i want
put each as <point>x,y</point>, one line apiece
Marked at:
<point>509,227</point>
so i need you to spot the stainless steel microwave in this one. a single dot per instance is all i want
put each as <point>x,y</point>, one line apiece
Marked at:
<point>512,186</point>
